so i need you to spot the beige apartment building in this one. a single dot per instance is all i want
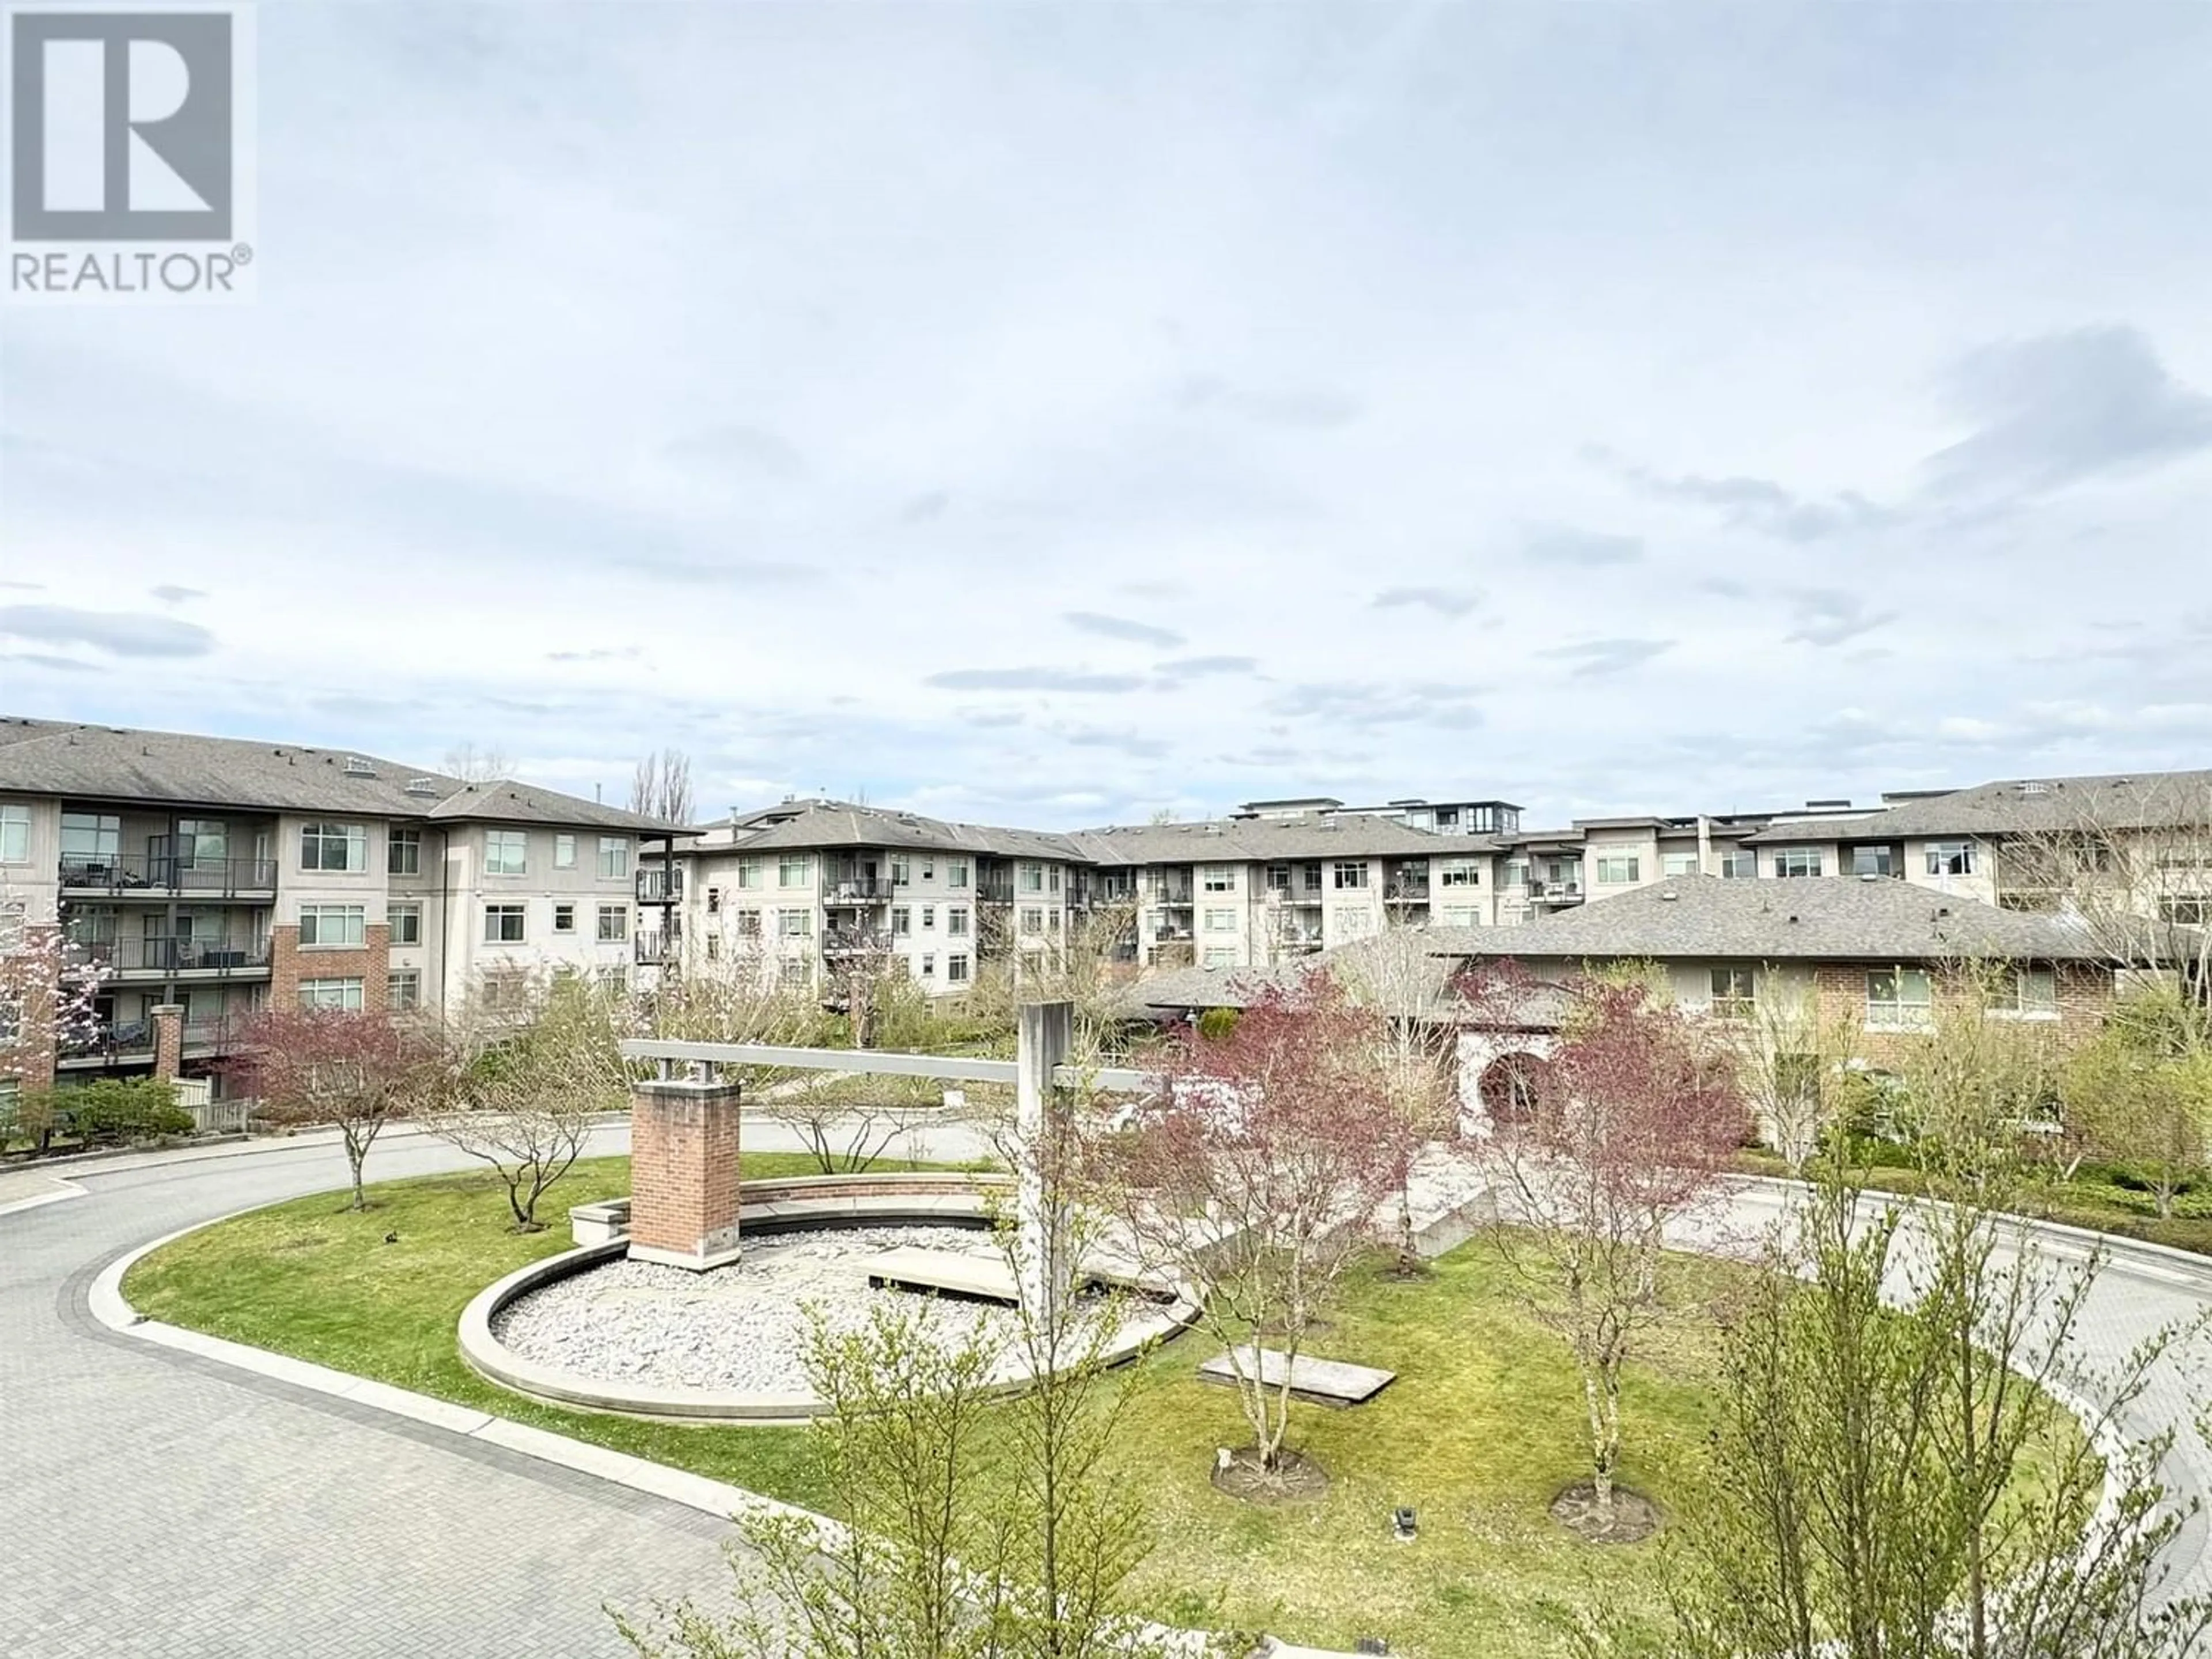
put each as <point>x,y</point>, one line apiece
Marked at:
<point>192,880</point>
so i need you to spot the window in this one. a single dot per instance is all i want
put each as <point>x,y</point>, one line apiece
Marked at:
<point>1351,873</point>
<point>902,920</point>
<point>505,924</point>
<point>713,947</point>
<point>403,988</point>
<point>748,872</point>
<point>956,875</point>
<point>1310,879</point>
<point>1619,867</point>
<point>1032,877</point>
<point>1278,877</point>
<point>614,923</point>
<point>564,851</point>
<point>1950,857</point>
<point>795,924</point>
<point>91,838</point>
<point>322,846</point>
<point>1739,864</point>
<point>564,918</point>
<point>332,924</point>
<point>2034,993</point>
<point>11,1027</point>
<point>1052,921</point>
<point>15,834</point>
<point>1874,861</point>
<point>1516,873</point>
<point>405,921</point>
<point>2186,912</point>
<point>1678,864</point>
<point>1798,861</point>
<point>1459,873</point>
<point>1217,879</point>
<point>901,871</point>
<point>1052,878</point>
<point>956,971</point>
<point>1459,915</point>
<point>956,921</point>
<point>792,869</point>
<point>749,924</point>
<point>713,900</point>
<point>614,857</point>
<point>403,853</point>
<point>929,869</point>
<point>330,994</point>
<point>1733,993</point>
<point>1355,924</point>
<point>928,965</point>
<point>1220,922</point>
<point>1220,958</point>
<point>14,914</point>
<point>1898,1000</point>
<point>928,917</point>
<point>507,853</point>
<point>1032,919</point>
<point>795,971</point>
<point>612,978</point>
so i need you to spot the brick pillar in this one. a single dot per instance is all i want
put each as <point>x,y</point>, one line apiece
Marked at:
<point>683,1173</point>
<point>169,1041</point>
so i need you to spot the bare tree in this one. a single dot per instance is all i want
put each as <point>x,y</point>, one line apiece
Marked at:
<point>1394,974</point>
<point>1795,1061</point>
<point>2139,1094</point>
<point>1632,1129</point>
<point>1253,1175</point>
<point>1089,969</point>
<point>471,764</point>
<point>530,1087</point>
<point>331,1067</point>
<point>660,786</point>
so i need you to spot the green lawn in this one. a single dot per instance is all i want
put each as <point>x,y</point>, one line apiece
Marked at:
<point>1483,1427</point>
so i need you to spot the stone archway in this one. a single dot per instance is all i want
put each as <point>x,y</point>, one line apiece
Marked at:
<point>1512,1086</point>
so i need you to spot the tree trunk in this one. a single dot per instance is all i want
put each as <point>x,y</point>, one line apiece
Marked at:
<point>355,1157</point>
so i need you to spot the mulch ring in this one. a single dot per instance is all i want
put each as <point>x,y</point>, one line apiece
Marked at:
<point>1296,1478</point>
<point>1634,1518</point>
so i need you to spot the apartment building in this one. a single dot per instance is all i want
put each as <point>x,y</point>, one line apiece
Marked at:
<point>191,879</point>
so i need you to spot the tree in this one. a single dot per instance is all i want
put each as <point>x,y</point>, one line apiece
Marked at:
<point>2139,1094</point>
<point>48,992</point>
<point>1631,1128</point>
<point>1891,1475</point>
<point>355,1071</point>
<point>660,786</point>
<point>1254,1175</point>
<point>1394,974</point>
<point>1089,968</point>
<point>1795,1063</point>
<point>471,764</point>
<point>530,1088</point>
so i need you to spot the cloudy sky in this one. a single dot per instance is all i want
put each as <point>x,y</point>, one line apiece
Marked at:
<point>1046,413</point>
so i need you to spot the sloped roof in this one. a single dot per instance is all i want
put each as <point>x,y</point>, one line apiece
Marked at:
<point>1237,840</point>
<point>813,825</point>
<point>2025,806</point>
<point>1834,918</point>
<point>105,763</point>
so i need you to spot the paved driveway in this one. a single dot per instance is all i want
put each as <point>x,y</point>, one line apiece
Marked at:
<point>152,1504</point>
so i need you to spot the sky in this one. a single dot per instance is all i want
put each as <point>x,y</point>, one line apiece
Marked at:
<point>1049,414</point>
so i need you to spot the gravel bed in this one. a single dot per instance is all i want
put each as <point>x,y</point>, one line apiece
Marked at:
<point>740,1327</point>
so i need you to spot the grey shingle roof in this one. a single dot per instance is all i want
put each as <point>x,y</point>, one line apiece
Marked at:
<point>1234,840</point>
<point>104,762</point>
<point>830,824</point>
<point>2025,806</point>
<point>1815,919</point>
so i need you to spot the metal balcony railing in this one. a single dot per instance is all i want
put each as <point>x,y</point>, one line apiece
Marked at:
<point>853,941</point>
<point>657,885</point>
<point>652,946</point>
<point>1407,892</point>
<point>855,889</point>
<point>171,955</point>
<point>157,873</point>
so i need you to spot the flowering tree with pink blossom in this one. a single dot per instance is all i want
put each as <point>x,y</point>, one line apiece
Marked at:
<point>1630,1129</point>
<point>47,997</point>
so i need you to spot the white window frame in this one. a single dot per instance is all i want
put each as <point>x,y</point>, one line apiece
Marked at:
<point>494,924</point>
<point>793,870</point>
<point>501,846</point>
<point>345,992</point>
<point>564,918</point>
<point>1349,875</point>
<point>1739,864</point>
<point>14,832</point>
<point>748,873</point>
<point>407,840</point>
<point>619,913</point>
<point>348,919</point>
<point>1221,920</point>
<point>956,921</point>
<point>1619,869</point>
<point>1033,920</point>
<point>794,924</point>
<point>956,875</point>
<point>1899,1012</point>
<point>351,838</point>
<point>1217,878</point>
<point>1732,992</point>
<point>1673,866</point>
<point>956,968</point>
<point>403,988</point>
<point>395,913</point>
<point>1785,857</point>
<point>1458,872</point>
<point>564,851</point>
<point>614,858</point>
<point>1941,853</point>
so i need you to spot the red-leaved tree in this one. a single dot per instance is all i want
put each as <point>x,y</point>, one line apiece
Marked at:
<point>1253,1175</point>
<point>1629,1129</point>
<point>353,1071</point>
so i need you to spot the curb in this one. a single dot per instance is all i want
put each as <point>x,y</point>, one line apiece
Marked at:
<point>62,1189</point>
<point>694,1491</point>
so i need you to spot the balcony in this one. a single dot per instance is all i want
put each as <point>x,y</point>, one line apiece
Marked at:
<point>1560,893</point>
<point>855,889</point>
<point>1168,932</point>
<point>855,941</point>
<point>163,875</point>
<point>163,958</point>
<point>656,947</point>
<point>657,885</point>
<point>1409,891</point>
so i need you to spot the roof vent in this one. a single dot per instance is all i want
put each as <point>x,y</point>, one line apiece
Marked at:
<point>1793,918</point>
<point>421,786</point>
<point>357,768</point>
<point>2035,788</point>
<point>1668,895</point>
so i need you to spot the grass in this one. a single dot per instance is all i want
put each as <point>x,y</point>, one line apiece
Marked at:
<point>2101,1205</point>
<point>1483,1427</point>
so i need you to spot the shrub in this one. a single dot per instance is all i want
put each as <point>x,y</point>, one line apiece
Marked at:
<point>114,1111</point>
<point>1217,1025</point>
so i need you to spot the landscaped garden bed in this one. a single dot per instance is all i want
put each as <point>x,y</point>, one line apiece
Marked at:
<point>1481,1431</point>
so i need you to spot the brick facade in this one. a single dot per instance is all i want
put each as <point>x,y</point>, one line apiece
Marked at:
<point>169,1041</point>
<point>2084,991</point>
<point>683,1173</point>
<point>370,963</point>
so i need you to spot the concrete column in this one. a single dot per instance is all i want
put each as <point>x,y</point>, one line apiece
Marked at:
<point>1044,1033</point>
<point>683,1173</point>
<point>169,1041</point>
